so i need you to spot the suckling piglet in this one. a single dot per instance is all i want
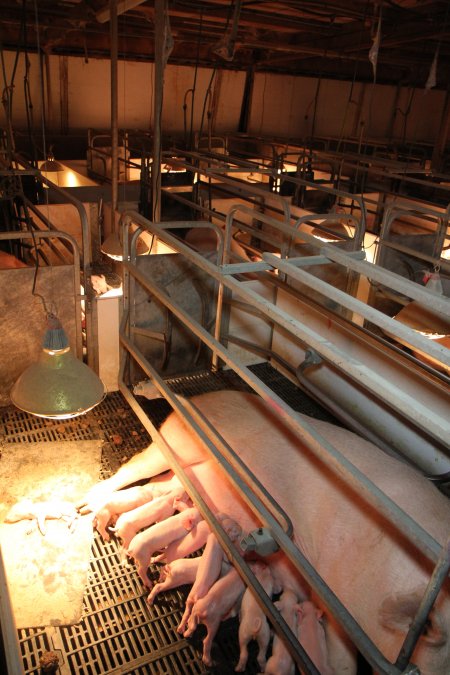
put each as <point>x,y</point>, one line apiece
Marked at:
<point>191,542</point>
<point>131,522</point>
<point>311,636</point>
<point>208,572</point>
<point>119,502</point>
<point>158,536</point>
<point>174,574</point>
<point>253,624</point>
<point>281,662</point>
<point>215,606</point>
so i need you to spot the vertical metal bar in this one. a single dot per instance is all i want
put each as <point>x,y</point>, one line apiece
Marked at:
<point>160,9</point>
<point>114,107</point>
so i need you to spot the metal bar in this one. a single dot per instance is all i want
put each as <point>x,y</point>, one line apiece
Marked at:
<point>435,583</point>
<point>443,264</point>
<point>10,642</point>
<point>160,40</point>
<point>407,405</point>
<point>305,432</point>
<point>304,261</point>
<point>392,326</point>
<point>366,646</point>
<point>438,303</point>
<point>114,104</point>
<point>279,624</point>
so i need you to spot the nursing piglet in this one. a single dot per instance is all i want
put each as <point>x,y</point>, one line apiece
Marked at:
<point>158,536</point>
<point>311,636</point>
<point>208,572</point>
<point>131,522</point>
<point>120,502</point>
<point>281,662</point>
<point>174,574</point>
<point>191,542</point>
<point>216,605</point>
<point>253,624</point>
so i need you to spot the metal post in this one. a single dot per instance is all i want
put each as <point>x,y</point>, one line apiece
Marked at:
<point>160,10</point>
<point>114,106</point>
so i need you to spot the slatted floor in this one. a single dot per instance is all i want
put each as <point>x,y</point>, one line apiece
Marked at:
<point>119,632</point>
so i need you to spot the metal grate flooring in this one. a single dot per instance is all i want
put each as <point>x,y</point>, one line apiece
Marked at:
<point>119,633</point>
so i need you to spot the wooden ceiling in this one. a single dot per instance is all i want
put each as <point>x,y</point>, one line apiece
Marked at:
<point>330,39</point>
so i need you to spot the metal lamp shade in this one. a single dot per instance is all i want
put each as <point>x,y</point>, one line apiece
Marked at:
<point>51,166</point>
<point>112,247</point>
<point>58,386</point>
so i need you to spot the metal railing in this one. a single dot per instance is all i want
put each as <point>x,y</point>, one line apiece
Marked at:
<point>323,449</point>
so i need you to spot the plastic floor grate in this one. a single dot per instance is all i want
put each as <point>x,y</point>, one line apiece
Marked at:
<point>119,633</point>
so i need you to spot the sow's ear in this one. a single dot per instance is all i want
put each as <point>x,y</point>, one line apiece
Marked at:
<point>398,611</point>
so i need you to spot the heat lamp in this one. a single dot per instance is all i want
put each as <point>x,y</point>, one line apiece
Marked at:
<point>112,247</point>
<point>51,165</point>
<point>59,385</point>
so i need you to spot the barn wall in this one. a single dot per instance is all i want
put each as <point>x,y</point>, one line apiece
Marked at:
<point>78,98</point>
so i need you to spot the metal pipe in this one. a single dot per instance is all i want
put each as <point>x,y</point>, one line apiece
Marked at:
<point>406,404</point>
<point>366,646</point>
<point>361,640</point>
<point>438,352</point>
<point>160,43</point>
<point>114,108</point>
<point>306,432</point>
<point>418,624</point>
<point>10,640</point>
<point>294,647</point>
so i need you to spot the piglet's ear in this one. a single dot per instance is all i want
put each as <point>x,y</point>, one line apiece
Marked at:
<point>398,611</point>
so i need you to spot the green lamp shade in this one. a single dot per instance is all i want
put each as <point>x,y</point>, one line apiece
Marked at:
<point>58,386</point>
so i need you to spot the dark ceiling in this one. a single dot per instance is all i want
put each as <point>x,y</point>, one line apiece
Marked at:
<point>299,37</point>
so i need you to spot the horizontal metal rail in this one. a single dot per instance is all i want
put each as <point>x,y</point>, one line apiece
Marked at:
<point>439,352</point>
<point>279,624</point>
<point>324,450</point>
<point>306,432</point>
<point>302,564</point>
<point>438,303</point>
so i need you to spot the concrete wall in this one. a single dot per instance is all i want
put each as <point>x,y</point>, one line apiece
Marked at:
<point>78,97</point>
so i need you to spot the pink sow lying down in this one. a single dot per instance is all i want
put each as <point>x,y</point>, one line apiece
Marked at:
<point>373,569</point>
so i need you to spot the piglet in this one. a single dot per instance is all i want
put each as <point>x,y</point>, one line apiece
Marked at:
<point>208,572</point>
<point>216,605</point>
<point>311,636</point>
<point>281,662</point>
<point>158,536</point>
<point>174,574</point>
<point>191,542</point>
<point>210,566</point>
<point>253,624</point>
<point>119,502</point>
<point>129,523</point>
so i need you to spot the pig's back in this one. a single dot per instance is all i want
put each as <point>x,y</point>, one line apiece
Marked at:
<point>304,485</point>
